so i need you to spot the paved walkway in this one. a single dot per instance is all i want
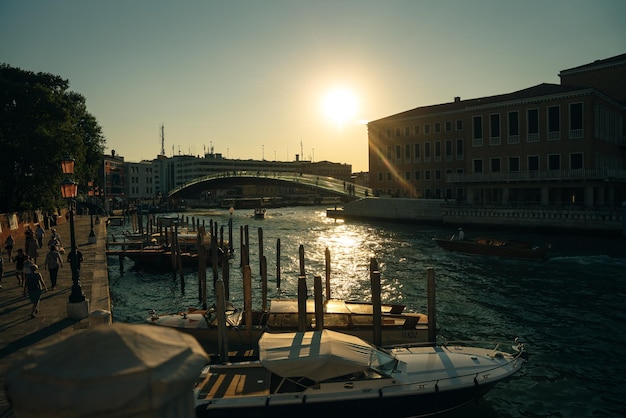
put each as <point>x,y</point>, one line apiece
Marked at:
<point>18,331</point>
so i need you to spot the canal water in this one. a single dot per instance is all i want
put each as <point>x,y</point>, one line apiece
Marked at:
<point>570,309</point>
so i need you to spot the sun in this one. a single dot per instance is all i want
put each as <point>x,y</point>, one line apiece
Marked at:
<point>340,105</point>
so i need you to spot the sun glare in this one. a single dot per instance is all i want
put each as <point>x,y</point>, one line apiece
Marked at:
<point>340,105</point>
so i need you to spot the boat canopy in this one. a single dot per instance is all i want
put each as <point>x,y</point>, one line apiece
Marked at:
<point>318,355</point>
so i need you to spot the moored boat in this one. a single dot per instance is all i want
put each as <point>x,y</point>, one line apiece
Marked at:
<point>355,318</point>
<point>259,213</point>
<point>321,373</point>
<point>494,246</point>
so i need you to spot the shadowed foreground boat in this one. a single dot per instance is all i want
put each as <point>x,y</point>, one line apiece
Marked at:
<point>322,373</point>
<point>495,247</point>
<point>356,318</point>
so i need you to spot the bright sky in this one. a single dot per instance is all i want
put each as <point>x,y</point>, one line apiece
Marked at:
<point>252,77</point>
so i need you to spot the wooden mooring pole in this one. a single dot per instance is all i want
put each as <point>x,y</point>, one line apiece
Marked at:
<point>302,296</point>
<point>376,302</point>
<point>319,303</point>
<point>278,263</point>
<point>327,257</point>
<point>221,320</point>
<point>432,311</point>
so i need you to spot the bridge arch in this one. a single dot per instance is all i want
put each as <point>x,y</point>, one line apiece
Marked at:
<point>229,179</point>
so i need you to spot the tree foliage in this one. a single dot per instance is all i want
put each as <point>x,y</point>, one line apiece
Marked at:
<point>41,121</point>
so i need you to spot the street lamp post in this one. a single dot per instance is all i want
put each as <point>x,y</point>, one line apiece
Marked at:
<point>69,190</point>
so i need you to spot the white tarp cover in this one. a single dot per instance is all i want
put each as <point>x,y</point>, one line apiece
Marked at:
<point>317,355</point>
<point>121,370</point>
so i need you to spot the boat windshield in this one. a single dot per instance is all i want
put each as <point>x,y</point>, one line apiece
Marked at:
<point>382,362</point>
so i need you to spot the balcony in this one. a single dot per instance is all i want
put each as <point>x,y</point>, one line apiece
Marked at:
<point>604,174</point>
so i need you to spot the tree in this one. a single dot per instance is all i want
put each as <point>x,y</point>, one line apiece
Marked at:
<point>41,121</point>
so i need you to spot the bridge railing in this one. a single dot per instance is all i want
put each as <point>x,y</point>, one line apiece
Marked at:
<point>321,182</point>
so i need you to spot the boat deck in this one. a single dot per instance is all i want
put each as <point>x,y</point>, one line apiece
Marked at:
<point>229,382</point>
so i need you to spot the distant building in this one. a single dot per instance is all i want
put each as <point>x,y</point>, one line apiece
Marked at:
<point>113,180</point>
<point>139,181</point>
<point>548,144</point>
<point>136,181</point>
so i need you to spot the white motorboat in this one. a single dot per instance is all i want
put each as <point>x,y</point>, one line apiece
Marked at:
<point>326,373</point>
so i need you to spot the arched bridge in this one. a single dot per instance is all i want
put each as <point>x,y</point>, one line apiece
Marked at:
<point>236,178</point>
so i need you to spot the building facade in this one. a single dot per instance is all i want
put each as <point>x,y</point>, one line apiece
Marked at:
<point>548,145</point>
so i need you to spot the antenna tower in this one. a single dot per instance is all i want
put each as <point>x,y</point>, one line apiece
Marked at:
<point>162,139</point>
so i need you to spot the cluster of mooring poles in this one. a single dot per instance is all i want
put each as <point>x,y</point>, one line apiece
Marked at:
<point>222,250</point>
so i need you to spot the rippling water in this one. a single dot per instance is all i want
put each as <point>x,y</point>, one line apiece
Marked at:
<point>570,309</point>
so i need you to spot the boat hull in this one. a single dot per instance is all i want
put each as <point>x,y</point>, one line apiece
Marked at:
<point>492,247</point>
<point>417,405</point>
<point>424,380</point>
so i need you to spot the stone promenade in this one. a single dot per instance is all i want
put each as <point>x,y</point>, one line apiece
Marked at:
<point>18,331</point>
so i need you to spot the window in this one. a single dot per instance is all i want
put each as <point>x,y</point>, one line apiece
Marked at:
<point>427,175</point>
<point>438,151</point>
<point>459,149</point>
<point>575,120</point>
<point>398,153</point>
<point>459,125</point>
<point>449,150</point>
<point>397,131</point>
<point>448,126</point>
<point>427,151</point>
<point>388,133</point>
<point>380,177</point>
<point>554,122</point>
<point>477,131</point>
<point>513,128</point>
<point>533,163</point>
<point>437,174</point>
<point>494,165</point>
<point>478,166</point>
<point>417,152</point>
<point>389,151</point>
<point>407,175</point>
<point>437,127</point>
<point>513,163</point>
<point>494,129</point>
<point>554,162</point>
<point>416,130</point>
<point>388,176</point>
<point>576,161</point>
<point>427,129</point>
<point>407,152</point>
<point>417,175</point>
<point>533,125</point>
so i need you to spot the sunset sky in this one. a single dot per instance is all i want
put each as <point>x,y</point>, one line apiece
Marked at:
<point>253,78</point>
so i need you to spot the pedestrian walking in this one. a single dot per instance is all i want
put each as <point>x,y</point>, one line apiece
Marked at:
<point>32,249</point>
<point>52,264</point>
<point>8,245</point>
<point>34,285</point>
<point>28,235</point>
<point>19,261</point>
<point>55,240</point>
<point>40,233</point>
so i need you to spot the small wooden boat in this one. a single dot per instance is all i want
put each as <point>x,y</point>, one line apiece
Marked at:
<point>355,318</point>
<point>259,213</point>
<point>322,373</point>
<point>494,246</point>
